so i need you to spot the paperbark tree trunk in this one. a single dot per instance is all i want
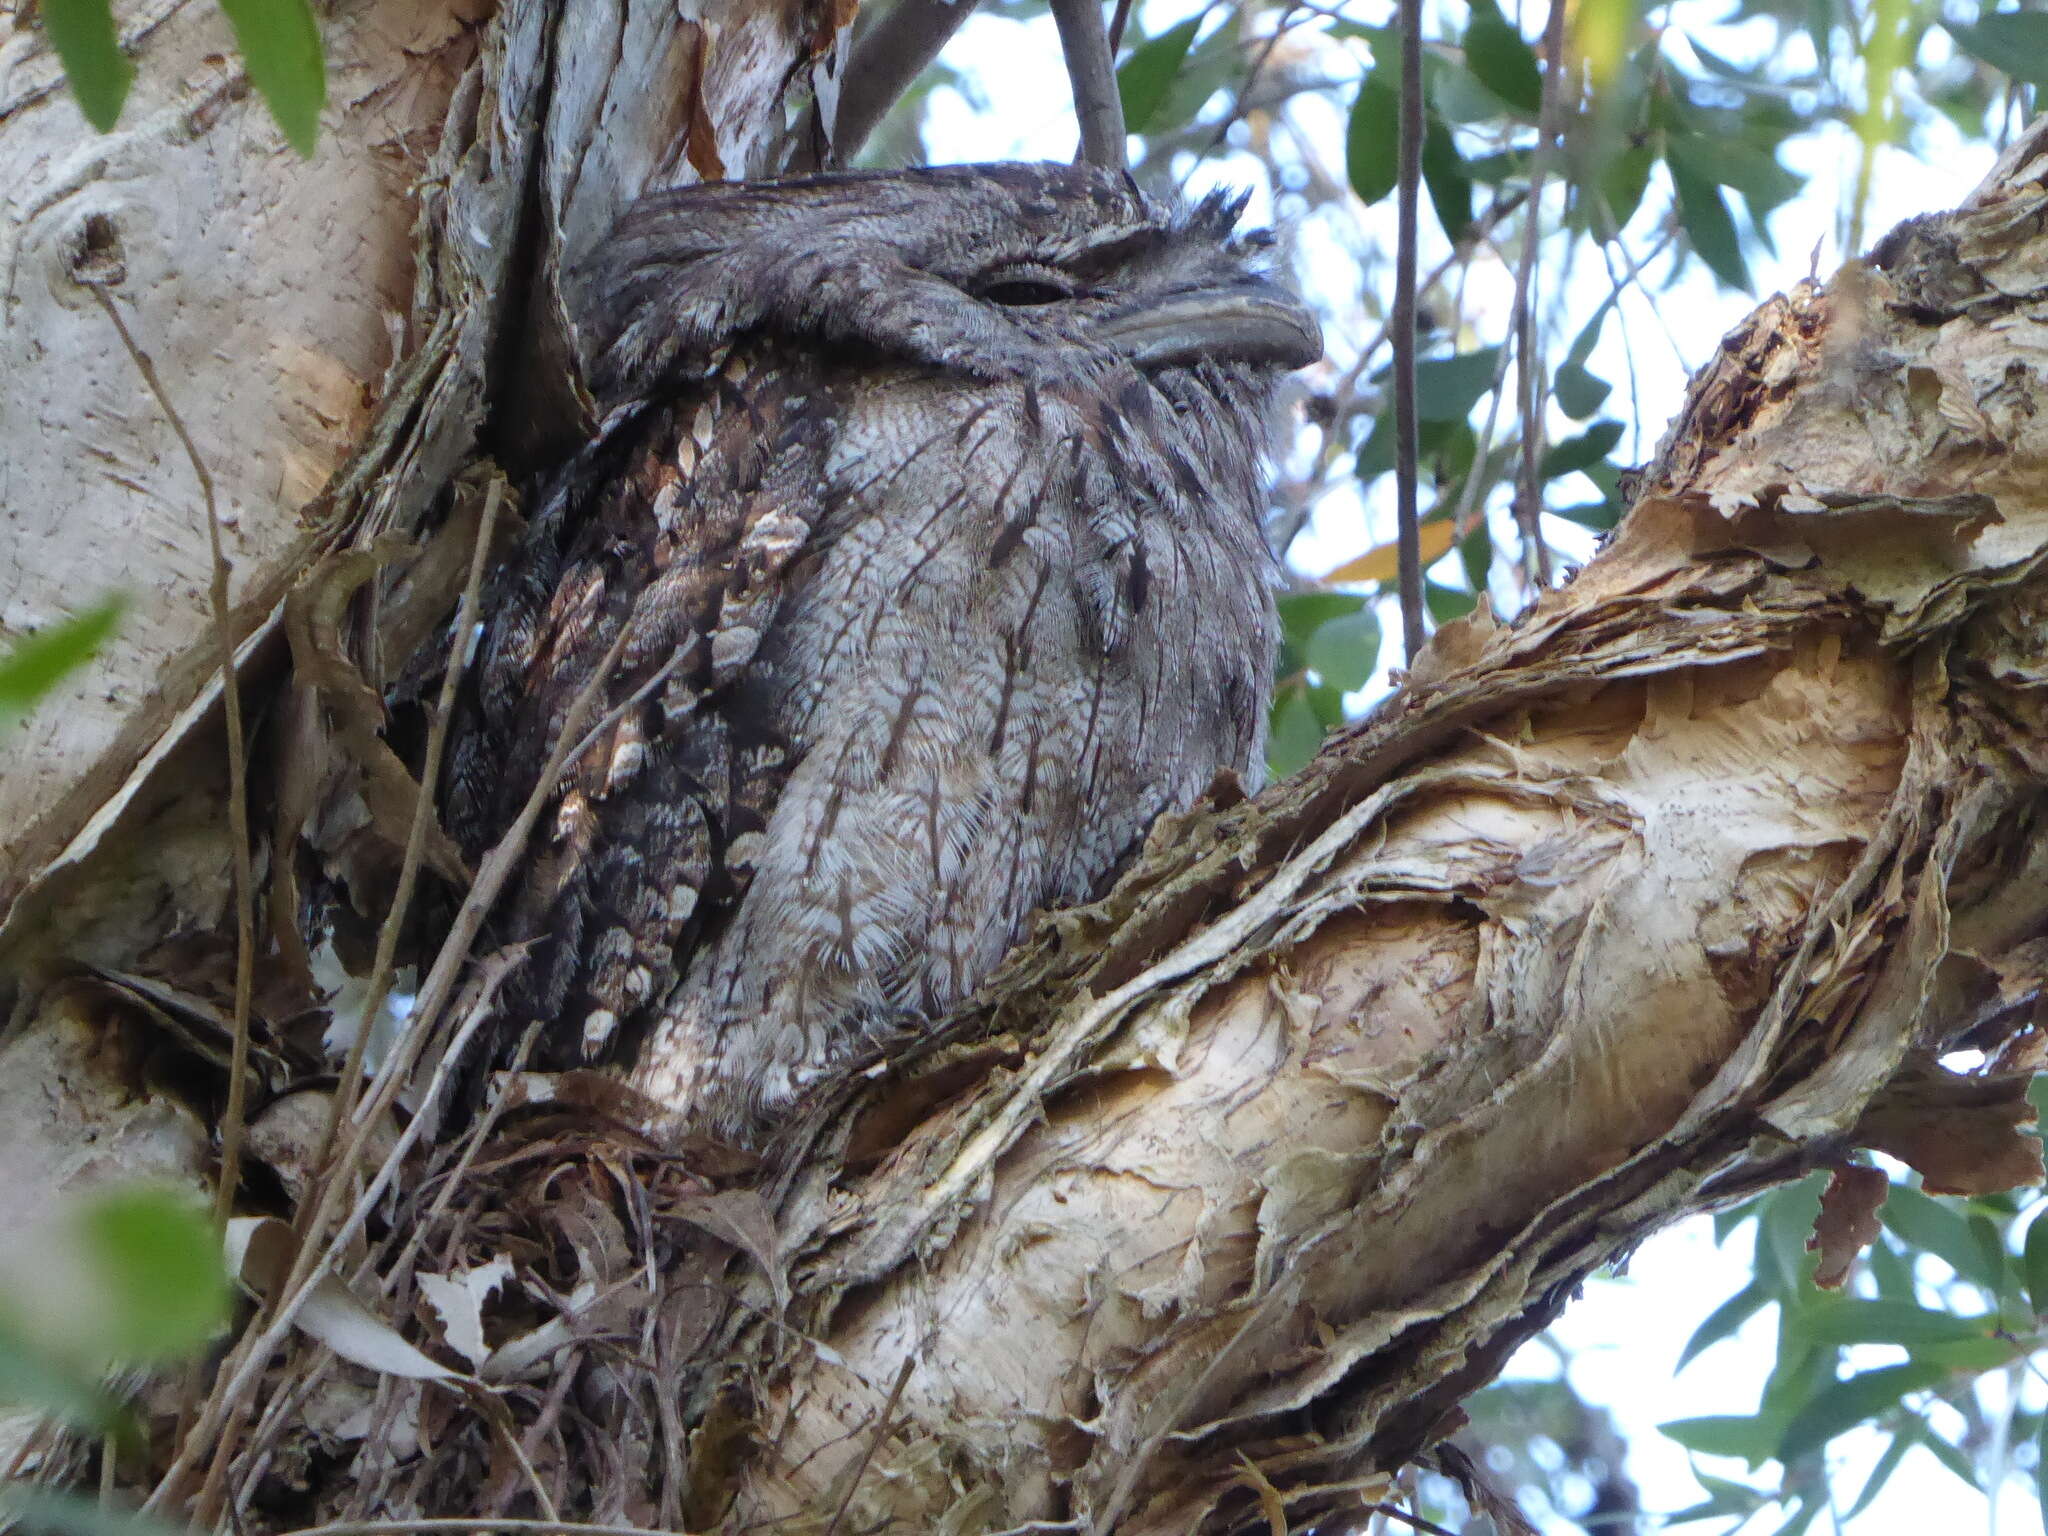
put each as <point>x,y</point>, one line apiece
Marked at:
<point>1227,1190</point>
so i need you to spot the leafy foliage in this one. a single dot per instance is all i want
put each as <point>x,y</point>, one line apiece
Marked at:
<point>32,667</point>
<point>279,40</point>
<point>1926,1346</point>
<point>129,1275</point>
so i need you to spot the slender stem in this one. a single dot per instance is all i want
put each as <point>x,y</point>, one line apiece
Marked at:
<point>1097,104</point>
<point>1407,466</point>
<point>234,1114</point>
<point>883,62</point>
<point>1529,486</point>
<point>381,968</point>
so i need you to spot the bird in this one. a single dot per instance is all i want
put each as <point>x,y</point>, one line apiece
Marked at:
<point>922,525</point>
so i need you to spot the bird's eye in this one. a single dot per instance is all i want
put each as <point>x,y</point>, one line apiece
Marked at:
<point>1018,289</point>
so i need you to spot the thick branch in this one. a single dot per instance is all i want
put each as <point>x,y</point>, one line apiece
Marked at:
<point>1621,910</point>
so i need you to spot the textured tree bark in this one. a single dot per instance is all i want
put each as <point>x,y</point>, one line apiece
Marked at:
<point>1231,1187</point>
<point>1681,884</point>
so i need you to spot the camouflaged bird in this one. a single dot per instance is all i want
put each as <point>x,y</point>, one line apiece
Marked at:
<point>929,505</point>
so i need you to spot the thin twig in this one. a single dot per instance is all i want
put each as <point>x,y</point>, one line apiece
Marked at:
<point>1098,106</point>
<point>874,1442</point>
<point>1346,396</point>
<point>1407,469</point>
<point>1118,20</point>
<point>350,1087</point>
<point>472,1523</point>
<point>1529,490</point>
<point>300,1288</point>
<point>1396,1512</point>
<point>232,1117</point>
<point>1267,45</point>
<point>239,1372</point>
<point>881,65</point>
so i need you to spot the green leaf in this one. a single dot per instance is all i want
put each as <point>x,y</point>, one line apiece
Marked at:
<point>1447,603</point>
<point>1293,734</point>
<point>1148,74</point>
<point>1589,333</point>
<point>1853,1400</point>
<point>2041,1470</point>
<point>1596,515</point>
<point>158,1258</point>
<point>1344,651</point>
<point>64,1513</point>
<point>1576,453</point>
<point>1475,553</point>
<point>1327,703</point>
<point>1443,174</point>
<point>1622,182</point>
<point>1704,214</point>
<point>1970,1357</point>
<point>280,43</point>
<point>82,32</point>
<point>1945,1453</point>
<point>1726,1221</point>
<point>1498,168</point>
<point>1991,1251</point>
<point>36,665</point>
<point>1890,1270</point>
<point>1577,392</point>
<point>1372,139</point>
<point>1935,1228</point>
<point>1784,1221</point>
<point>2034,1260</point>
<point>1854,1321</point>
<point>1803,1515</point>
<point>1446,388</point>
<point>1744,1435</point>
<point>2014,41</point>
<point>1723,1498</point>
<point>1303,613</point>
<point>29,1379</point>
<point>1504,63</point>
<point>1881,1474</point>
<point>1457,96</point>
<point>1723,1321</point>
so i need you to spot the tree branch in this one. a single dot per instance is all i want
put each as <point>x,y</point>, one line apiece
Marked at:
<point>1098,106</point>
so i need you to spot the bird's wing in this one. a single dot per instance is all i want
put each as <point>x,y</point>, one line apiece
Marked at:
<point>679,529</point>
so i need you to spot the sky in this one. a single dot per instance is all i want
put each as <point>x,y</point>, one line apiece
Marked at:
<point>1625,1334</point>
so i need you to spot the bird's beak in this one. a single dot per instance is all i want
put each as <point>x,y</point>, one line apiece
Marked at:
<point>1249,320</point>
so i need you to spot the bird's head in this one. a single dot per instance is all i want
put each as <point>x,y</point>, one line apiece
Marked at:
<point>996,271</point>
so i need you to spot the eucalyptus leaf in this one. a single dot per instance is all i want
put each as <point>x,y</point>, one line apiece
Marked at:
<point>1853,1401</point>
<point>1743,1435</point>
<point>1503,62</point>
<point>1147,75</point>
<point>1344,651</point>
<point>1704,214</point>
<point>1372,145</point>
<point>2014,41</point>
<point>1577,453</point>
<point>1722,1322</point>
<point>1446,388</point>
<point>1445,179</point>
<point>37,664</point>
<point>280,43</point>
<point>1293,734</point>
<point>82,33</point>
<point>158,1263</point>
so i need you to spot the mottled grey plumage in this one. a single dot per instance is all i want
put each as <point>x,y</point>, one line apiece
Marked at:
<point>931,501</point>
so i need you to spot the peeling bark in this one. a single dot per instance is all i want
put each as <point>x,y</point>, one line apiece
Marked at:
<point>1228,1189</point>
<point>1677,886</point>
